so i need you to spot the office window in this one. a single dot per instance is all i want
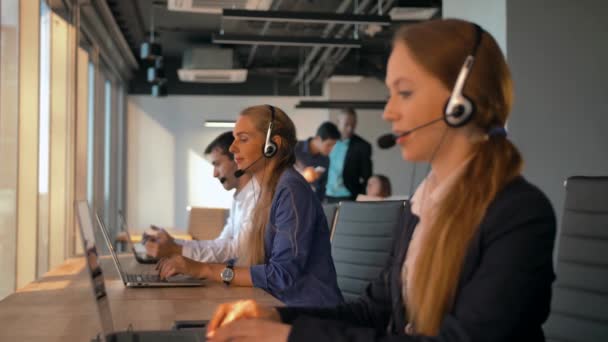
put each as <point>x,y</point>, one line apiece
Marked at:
<point>91,134</point>
<point>107,160</point>
<point>120,172</point>
<point>9,148</point>
<point>44,139</point>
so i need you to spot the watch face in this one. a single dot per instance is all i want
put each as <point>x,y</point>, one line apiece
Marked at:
<point>227,274</point>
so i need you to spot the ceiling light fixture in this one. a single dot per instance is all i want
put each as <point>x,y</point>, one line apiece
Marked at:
<point>219,124</point>
<point>345,78</point>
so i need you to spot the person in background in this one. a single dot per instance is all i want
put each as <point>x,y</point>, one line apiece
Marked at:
<point>225,247</point>
<point>379,186</point>
<point>312,156</point>
<point>350,161</point>
<point>473,261</point>
<point>288,244</point>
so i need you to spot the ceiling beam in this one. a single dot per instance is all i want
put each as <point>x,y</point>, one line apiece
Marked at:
<point>283,41</point>
<point>341,104</point>
<point>306,17</point>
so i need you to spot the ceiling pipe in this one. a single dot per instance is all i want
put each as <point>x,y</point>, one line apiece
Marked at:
<point>254,49</point>
<point>305,17</point>
<point>284,41</point>
<point>328,51</point>
<point>315,50</point>
<point>342,53</point>
<point>341,104</point>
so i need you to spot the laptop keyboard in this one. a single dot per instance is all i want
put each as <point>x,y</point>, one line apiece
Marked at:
<point>143,278</point>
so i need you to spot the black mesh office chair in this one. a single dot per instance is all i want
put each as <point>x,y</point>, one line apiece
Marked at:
<point>579,308</point>
<point>361,242</point>
<point>330,210</point>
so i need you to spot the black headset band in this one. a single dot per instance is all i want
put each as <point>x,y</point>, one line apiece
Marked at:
<point>271,113</point>
<point>478,35</point>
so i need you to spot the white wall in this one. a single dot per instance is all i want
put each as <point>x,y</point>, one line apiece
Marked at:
<point>167,170</point>
<point>491,15</point>
<point>558,55</point>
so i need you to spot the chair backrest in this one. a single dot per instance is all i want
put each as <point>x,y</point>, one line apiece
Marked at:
<point>206,223</point>
<point>361,242</point>
<point>579,308</point>
<point>330,210</point>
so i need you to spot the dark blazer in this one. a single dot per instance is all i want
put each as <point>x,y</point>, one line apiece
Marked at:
<point>504,291</point>
<point>357,165</point>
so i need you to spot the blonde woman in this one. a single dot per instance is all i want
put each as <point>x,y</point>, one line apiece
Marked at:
<point>287,243</point>
<point>473,261</point>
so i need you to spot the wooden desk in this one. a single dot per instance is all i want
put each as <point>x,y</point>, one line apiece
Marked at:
<point>60,306</point>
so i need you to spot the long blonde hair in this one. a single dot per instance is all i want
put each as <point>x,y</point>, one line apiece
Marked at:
<point>441,46</point>
<point>283,127</point>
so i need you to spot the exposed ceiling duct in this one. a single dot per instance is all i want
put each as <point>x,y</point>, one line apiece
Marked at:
<point>315,37</point>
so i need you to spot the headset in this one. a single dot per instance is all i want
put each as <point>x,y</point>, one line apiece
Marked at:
<point>270,147</point>
<point>459,109</point>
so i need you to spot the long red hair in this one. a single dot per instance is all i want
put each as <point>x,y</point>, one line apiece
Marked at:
<point>441,46</point>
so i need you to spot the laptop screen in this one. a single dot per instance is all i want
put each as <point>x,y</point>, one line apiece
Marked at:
<point>94,269</point>
<point>106,236</point>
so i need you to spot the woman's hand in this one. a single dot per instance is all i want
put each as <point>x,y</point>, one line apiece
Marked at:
<point>178,264</point>
<point>251,330</point>
<point>239,310</point>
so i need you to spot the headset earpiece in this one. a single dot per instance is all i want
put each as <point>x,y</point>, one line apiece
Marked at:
<point>459,109</point>
<point>270,147</point>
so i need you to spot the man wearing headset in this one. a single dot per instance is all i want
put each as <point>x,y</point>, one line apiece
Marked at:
<point>225,247</point>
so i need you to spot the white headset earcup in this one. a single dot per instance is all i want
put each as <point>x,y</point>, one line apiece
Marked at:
<point>458,111</point>
<point>270,149</point>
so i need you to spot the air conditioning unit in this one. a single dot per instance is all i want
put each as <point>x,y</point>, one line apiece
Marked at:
<point>212,75</point>
<point>210,64</point>
<point>215,7</point>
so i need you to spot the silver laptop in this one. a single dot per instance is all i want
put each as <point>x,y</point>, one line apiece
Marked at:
<point>101,298</point>
<point>138,249</point>
<point>143,279</point>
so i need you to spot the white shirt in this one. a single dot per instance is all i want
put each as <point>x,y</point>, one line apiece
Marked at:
<point>225,247</point>
<point>425,203</point>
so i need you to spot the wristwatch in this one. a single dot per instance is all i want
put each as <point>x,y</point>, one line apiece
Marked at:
<point>227,274</point>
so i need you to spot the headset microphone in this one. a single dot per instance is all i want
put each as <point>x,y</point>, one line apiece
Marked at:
<point>389,140</point>
<point>459,109</point>
<point>240,172</point>
<point>223,180</point>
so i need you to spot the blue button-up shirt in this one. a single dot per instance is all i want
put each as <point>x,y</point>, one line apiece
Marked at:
<point>335,182</point>
<point>299,269</point>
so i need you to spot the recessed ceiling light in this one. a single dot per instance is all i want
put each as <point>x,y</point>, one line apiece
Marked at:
<point>219,124</point>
